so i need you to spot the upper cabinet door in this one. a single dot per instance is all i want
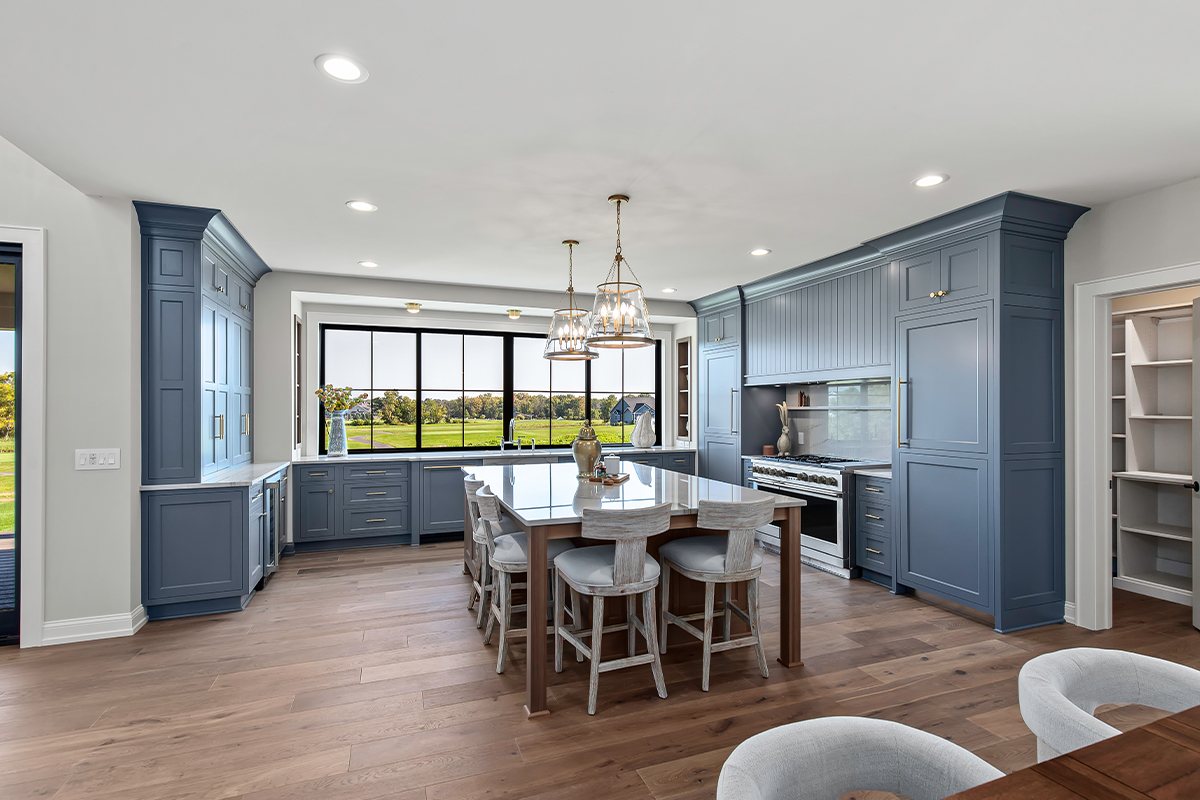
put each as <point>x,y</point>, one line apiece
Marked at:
<point>721,327</point>
<point>215,277</point>
<point>964,270</point>
<point>241,299</point>
<point>943,366</point>
<point>731,326</point>
<point>170,262</point>
<point>719,380</point>
<point>920,280</point>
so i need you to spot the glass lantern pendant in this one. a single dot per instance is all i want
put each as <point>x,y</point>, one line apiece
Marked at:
<point>569,325</point>
<point>619,316</point>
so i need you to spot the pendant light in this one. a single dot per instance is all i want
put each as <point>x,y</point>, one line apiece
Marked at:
<point>569,325</point>
<point>619,316</point>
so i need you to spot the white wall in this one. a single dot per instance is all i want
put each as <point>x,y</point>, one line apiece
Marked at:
<point>1157,229</point>
<point>281,295</point>
<point>92,385</point>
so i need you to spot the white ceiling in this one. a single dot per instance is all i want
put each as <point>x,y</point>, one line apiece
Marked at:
<point>490,131</point>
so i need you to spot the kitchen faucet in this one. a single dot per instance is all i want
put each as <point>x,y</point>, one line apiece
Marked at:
<point>512,438</point>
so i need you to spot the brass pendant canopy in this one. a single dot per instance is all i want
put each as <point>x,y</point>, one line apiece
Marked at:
<point>569,325</point>
<point>619,315</point>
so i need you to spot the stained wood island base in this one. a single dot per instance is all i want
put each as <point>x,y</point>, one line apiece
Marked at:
<point>547,500</point>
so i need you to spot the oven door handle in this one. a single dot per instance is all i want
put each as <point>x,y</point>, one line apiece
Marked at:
<point>799,492</point>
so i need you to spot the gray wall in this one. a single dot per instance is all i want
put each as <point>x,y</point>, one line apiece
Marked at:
<point>92,386</point>
<point>1148,231</point>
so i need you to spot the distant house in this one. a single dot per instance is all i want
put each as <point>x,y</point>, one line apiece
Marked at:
<point>628,409</point>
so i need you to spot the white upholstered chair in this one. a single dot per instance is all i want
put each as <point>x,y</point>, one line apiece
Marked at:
<point>508,555</point>
<point>1060,691</point>
<point>621,569</point>
<point>725,559</point>
<point>481,570</point>
<point>824,758</point>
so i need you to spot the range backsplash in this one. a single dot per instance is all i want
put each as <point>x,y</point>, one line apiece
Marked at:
<point>852,419</point>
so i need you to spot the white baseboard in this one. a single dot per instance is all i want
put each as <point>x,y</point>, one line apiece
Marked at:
<point>1069,612</point>
<point>82,629</point>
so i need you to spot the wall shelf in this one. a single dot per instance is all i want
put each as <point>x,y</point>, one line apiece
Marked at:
<point>1169,417</point>
<point>1173,362</point>
<point>1162,529</point>
<point>839,408</point>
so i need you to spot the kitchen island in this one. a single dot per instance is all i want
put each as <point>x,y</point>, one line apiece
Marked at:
<point>547,501</point>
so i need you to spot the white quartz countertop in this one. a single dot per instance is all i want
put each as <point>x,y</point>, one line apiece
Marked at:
<point>542,494</point>
<point>546,452</point>
<point>875,472</point>
<point>245,475</point>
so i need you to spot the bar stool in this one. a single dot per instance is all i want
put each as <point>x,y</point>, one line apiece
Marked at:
<point>725,560</point>
<point>622,569</point>
<point>508,555</point>
<point>481,570</point>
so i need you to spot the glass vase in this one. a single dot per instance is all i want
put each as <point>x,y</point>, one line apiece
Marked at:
<point>335,446</point>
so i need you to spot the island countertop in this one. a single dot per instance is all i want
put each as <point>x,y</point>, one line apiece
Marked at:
<point>545,494</point>
<point>546,452</point>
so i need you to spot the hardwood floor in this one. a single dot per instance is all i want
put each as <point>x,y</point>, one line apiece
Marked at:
<point>360,674</point>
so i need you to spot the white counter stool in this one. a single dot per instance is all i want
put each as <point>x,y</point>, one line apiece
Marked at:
<point>481,570</point>
<point>508,555</point>
<point>622,569</point>
<point>827,757</point>
<point>1060,691</point>
<point>726,560</point>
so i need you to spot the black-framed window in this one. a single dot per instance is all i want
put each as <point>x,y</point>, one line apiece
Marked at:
<point>431,389</point>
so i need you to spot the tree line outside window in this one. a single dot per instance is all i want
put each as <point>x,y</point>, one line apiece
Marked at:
<point>433,390</point>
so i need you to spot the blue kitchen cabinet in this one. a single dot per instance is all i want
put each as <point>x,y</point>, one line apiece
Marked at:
<point>943,365</point>
<point>873,541</point>
<point>720,328</point>
<point>646,459</point>
<point>198,275</point>
<point>680,462</point>
<point>442,497</point>
<point>944,276</point>
<point>317,511</point>
<point>945,517</point>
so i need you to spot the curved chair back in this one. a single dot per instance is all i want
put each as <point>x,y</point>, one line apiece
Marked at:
<point>471,486</point>
<point>824,758</point>
<point>489,516</point>
<point>1060,691</point>
<point>741,520</point>
<point>628,529</point>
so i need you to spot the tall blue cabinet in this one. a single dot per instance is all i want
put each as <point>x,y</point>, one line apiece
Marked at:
<point>204,547</point>
<point>964,313</point>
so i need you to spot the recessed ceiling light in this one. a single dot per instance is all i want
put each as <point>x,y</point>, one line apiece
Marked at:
<point>341,68</point>
<point>361,205</point>
<point>930,180</point>
<point>761,251</point>
<point>413,308</point>
<point>670,290</point>
<point>367,264</point>
<point>514,313</point>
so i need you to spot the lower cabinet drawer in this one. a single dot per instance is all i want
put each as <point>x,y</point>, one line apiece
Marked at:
<point>370,493</point>
<point>680,463</point>
<point>874,516</point>
<point>374,522</point>
<point>875,552</point>
<point>323,473</point>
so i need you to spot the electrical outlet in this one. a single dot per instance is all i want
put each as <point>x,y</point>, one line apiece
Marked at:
<point>799,437</point>
<point>104,458</point>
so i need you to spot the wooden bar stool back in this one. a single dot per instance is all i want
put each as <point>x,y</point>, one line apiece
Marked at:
<point>726,560</point>
<point>481,577</point>
<point>621,569</point>
<point>508,555</point>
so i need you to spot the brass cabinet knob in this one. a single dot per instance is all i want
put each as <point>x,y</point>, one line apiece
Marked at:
<point>942,293</point>
<point>933,294</point>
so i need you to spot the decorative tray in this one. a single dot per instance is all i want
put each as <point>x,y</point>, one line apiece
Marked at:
<point>610,480</point>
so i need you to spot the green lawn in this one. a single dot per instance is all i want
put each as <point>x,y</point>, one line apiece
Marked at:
<point>7,491</point>
<point>478,433</point>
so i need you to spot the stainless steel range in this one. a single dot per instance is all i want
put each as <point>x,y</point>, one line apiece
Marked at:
<point>825,521</point>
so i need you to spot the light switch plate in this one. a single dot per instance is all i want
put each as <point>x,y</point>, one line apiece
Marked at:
<point>103,458</point>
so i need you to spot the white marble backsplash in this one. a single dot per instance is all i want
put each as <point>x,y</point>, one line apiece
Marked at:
<point>848,419</point>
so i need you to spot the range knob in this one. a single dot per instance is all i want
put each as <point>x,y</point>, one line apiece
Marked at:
<point>802,476</point>
<point>830,480</point>
<point>777,472</point>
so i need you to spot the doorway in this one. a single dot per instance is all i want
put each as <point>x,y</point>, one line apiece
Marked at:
<point>10,415</point>
<point>1133,433</point>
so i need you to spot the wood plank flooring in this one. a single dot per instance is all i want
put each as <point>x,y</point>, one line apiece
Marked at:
<point>360,674</point>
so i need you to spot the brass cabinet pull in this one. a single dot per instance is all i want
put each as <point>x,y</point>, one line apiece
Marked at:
<point>876,552</point>
<point>452,466</point>
<point>244,308</point>
<point>374,493</point>
<point>872,516</point>
<point>873,489</point>
<point>898,412</point>
<point>377,520</point>
<point>317,474</point>
<point>377,472</point>
<point>245,424</point>
<point>221,435</point>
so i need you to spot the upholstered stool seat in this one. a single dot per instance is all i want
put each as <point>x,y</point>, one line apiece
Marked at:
<point>512,549</point>
<point>594,567</point>
<point>703,554</point>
